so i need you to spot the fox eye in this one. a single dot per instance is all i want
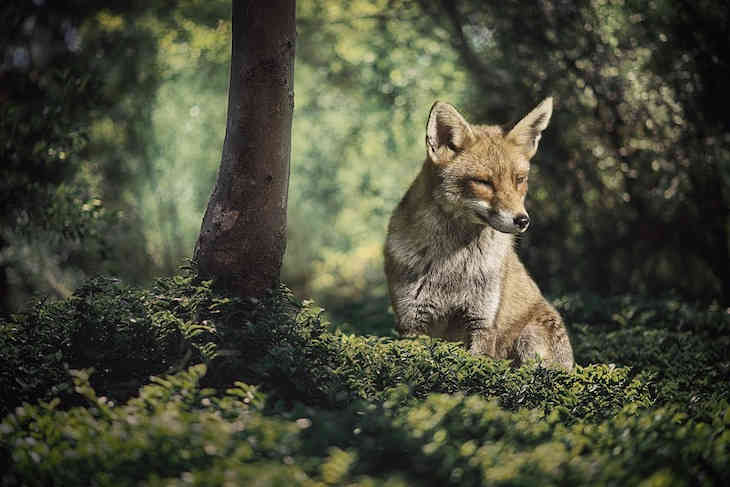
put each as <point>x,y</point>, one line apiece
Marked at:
<point>521,179</point>
<point>484,182</point>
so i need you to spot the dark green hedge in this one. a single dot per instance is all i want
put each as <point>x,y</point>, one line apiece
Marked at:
<point>178,433</point>
<point>337,408</point>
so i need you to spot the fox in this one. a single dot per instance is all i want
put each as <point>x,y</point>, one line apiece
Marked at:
<point>450,262</point>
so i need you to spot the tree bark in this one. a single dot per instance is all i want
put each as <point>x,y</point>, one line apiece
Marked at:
<point>243,235</point>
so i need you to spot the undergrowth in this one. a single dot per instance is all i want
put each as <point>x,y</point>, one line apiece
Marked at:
<point>268,390</point>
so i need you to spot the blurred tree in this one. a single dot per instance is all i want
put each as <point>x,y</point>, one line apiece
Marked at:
<point>701,32</point>
<point>243,234</point>
<point>365,72</point>
<point>47,205</point>
<point>71,72</point>
<point>111,113</point>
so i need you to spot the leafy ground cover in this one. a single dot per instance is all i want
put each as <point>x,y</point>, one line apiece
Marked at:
<point>180,384</point>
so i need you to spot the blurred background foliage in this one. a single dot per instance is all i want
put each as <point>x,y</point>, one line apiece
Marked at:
<point>112,118</point>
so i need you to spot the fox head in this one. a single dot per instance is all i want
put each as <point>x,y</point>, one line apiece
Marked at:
<point>481,172</point>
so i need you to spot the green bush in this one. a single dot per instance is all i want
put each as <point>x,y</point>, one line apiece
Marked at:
<point>683,349</point>
<point>177,432</point>
<point>328,408</point>
<point>105,325</point>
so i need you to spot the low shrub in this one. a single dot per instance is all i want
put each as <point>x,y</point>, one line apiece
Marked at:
<point>328,408</point>
<point>177,432</point>
<point>105,325</point>
<point>126,335</point>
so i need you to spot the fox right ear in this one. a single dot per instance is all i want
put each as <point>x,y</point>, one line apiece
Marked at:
<point>526,134</point>
<point>446,133</point>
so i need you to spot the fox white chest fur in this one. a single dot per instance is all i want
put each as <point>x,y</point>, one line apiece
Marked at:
<point>454,273</point>
<point>451,268</point>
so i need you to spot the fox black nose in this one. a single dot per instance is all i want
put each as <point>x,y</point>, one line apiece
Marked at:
<point>522,221</point>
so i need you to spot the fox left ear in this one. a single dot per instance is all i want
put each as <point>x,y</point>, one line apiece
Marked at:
<point>526,134</point>
<point>447,132</point>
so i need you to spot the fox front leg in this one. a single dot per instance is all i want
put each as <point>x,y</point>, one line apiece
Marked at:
<point>419,308</point>
<point>482,336</point>
<point>417,319</point>
<point>415,313</point>
<point>483,342</point>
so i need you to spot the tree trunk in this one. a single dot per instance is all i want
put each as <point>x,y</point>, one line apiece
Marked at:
<point>243,234</point>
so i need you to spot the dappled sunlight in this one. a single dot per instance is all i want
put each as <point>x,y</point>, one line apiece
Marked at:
<point>112,125</point>
<point>629,157</point>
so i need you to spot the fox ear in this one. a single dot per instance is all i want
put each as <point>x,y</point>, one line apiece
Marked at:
<point>446,132</point>
<point>526,134</point>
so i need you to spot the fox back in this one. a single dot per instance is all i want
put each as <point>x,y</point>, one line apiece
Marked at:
<point>449,258</point>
